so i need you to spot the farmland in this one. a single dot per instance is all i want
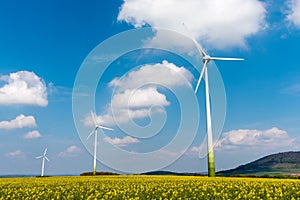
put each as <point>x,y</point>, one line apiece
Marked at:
<point>148,187</point>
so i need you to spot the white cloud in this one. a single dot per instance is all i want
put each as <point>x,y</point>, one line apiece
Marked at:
<point>273,138</point>
<point>248,144</point>
<point>294,13</point>
<point>16,153</point>
<point>175,42</point>
<point>139,98</point>
<point>121,142</point>
<point>137,93</point>
<point>121,115</point>
<point>194,149</point>
<point>168,153</point>
<point>105,120</point>
<point>165,73</point>
<point>23,88</point>
<point>216,23</point>
<point>21,121</point>
<point>32,135</point>
<point>71,151</point>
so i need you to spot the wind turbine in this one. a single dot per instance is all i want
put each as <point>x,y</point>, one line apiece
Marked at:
<point>95,131</point>
<point>43,161</point>
<point>204,72</point>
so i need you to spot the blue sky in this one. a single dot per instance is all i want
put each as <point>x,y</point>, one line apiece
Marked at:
<point>44,45</point>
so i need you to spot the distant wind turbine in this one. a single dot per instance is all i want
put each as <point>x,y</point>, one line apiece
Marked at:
<point>206,59</point>
<point>43,161</point>
<point>95,131</point>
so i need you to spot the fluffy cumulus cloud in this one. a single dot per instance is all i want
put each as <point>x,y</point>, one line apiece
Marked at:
<point>23,88</point>
<point>248,144</point>
<point>121,142</point>
<point>139,98</point>
<point>294,15</point>
<point>216,23</point>
<point>32,135</point>
<point>71,151</point>
<point>20,121</point>
<point>273,138</point>
<point>165,73</point>
<point>137,93</point>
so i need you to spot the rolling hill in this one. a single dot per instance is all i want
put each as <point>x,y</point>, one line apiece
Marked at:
<point>287,163</point>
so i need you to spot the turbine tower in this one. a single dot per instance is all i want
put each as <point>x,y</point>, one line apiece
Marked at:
<point>204,72</point>
<point>95,131</point>
<point>43,161</point>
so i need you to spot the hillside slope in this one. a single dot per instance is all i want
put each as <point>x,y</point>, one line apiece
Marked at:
<point>280,163</point>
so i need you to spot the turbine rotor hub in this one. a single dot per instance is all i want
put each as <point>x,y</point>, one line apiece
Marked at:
<point>206,58</point>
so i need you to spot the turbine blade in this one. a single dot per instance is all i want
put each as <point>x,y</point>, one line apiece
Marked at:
<point>103,127</point>
<point>94,118</point>
<point>38,157</point>
<point>47,159</point>
<point>45,151</point>
<point>201,75</point>
<point>91,134</point>
<point>200,49</point>
<point>220,58</point>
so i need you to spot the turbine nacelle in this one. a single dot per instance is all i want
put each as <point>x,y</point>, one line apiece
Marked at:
<point>103,127</point>
<point>206,58</point>
<point>97,126</point>
<point>43,156</point>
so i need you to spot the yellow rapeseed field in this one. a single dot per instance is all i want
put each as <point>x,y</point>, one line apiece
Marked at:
<point>148,187</point>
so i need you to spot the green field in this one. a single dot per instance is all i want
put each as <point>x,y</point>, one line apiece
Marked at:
<point>148,187</point>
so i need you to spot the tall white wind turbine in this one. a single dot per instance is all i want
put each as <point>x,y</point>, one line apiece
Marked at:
<point>43,161</point>
<point>95,132</point>
<point>204,72</point>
